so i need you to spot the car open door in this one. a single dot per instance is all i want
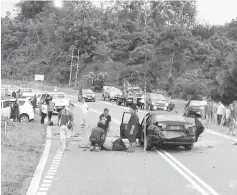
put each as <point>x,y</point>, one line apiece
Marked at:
<point>6,109</point>
<point>124,124</point>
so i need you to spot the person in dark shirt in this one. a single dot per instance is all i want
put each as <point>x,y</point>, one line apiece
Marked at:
<point>14,94</point>
<point>133,127</point>
<point>16,108</point>
<point>105,118</point>
<point>97,137</point>
<point>199,126</point>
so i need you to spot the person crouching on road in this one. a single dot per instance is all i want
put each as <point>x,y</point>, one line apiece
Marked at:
<point>44,111</point>
<point>65,121</point>
<point>105,118</point>
<point>97,137</point>
<point>133,126</point>
<point>85,109</point>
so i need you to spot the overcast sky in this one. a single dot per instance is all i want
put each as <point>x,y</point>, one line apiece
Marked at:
<point>214,12</point>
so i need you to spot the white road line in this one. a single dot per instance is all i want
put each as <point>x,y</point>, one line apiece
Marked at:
<point>49,177</point>
<point>55,163</point>
<point>45,185</point>
<point>43,189</point>
<point>220,134</point>
<point>190,173</point>
<point>47,181</point>
<point>53,168</point>
<point>198,187</point>
<point>41,193</point>
<point>35,182</point>
<point>49,174</point>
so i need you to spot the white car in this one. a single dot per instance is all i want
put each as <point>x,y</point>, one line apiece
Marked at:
<point>59,98</point>
<point>26,109</point>
<point>9,90</point>
<point>26,93</point>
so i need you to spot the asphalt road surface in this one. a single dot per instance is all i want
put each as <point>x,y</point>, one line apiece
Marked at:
<point>210,168</point>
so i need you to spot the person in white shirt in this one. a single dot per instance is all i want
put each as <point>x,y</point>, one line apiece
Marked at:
<point>203,105</point>
<point>220,109</point>
<point>85,109</point>
<point>227,116</point>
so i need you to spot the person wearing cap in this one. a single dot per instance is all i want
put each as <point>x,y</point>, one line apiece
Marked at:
<point>133,126</point>
<point>105,118</point>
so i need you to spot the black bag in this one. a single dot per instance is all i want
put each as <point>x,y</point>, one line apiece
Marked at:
<point>118,145</point>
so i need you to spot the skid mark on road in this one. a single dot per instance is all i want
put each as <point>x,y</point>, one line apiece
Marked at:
<point>46,183</point>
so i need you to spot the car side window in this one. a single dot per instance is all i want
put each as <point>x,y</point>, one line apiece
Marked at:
<point>6,104</point>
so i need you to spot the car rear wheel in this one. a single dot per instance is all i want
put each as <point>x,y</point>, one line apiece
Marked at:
<point>24,118</point>
<point>188,147</point>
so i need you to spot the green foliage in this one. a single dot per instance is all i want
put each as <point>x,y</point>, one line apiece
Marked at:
<point>158,42</point>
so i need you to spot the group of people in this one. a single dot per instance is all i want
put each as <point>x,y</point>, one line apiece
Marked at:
<point>222,115</point>
<point>47,108</point>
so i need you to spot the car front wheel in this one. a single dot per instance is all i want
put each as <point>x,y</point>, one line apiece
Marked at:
<point>24,118</point>
<point>188,147</point>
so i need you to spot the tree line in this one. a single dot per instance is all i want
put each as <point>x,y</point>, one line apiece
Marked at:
<point>159,42</point>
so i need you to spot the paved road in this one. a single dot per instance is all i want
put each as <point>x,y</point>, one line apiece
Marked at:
<point>209,168</point>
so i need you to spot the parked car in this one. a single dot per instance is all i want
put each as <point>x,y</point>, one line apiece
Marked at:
<point>87,94</point>
<point>9,90</point>
<point>59,98</point>
<point>25,93</point>
<point>157,102</point>
<point>166,128</point>
<point>193,108</point>
<point>111,93</point>
<point>26,109</point>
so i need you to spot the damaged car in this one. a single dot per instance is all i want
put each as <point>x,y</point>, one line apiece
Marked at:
<point>165,129</point>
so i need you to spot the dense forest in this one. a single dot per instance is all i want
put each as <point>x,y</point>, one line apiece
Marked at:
<point>159,42</point>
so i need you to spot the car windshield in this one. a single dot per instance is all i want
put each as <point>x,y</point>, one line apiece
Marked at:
<point>26,90</point>
<point>158,97</point>
<point>195,103</point>
<point>159,118</point>
<point>87,91</point>
<point>58,96</point>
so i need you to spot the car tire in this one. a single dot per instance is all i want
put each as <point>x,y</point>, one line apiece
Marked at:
<point>24,118</point>
<point>188,147</point>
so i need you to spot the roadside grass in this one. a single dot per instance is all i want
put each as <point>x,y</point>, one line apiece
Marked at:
<point>21,152</point>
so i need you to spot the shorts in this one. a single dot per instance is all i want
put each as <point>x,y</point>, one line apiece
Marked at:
<point>132,138</point>
<point>65,133</point>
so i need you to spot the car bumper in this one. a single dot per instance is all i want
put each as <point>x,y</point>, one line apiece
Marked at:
<point>89,99</point>
<point>155,139</point>
<point>156,107</point>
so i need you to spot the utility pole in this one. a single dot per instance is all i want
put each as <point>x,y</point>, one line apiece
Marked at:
<point>71,69</point>
<point>171,65</point>
<point>77,67</point>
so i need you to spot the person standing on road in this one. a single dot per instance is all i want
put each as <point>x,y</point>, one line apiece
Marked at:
<point>203,105</point>
<point>214,112</point>
<point>14,94</point>
<point>16,108</point>
<point>34,102</point>
<point>65,122</point>
<point>227,116</point>
<point>233,120</point>
<point>44,111</point>
<point>85,109</point>
<point>50,109</point>
<point>105,119</point>
<point>133,126</point>
<point>208,113</point>
<point>220,108</point>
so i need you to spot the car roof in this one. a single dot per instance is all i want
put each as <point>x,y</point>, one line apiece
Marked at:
<point>26,88</point>
<point>54,93</point>
<point>21,99</point>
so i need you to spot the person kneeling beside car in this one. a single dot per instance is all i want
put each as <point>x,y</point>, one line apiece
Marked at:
<point>97,137</point>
